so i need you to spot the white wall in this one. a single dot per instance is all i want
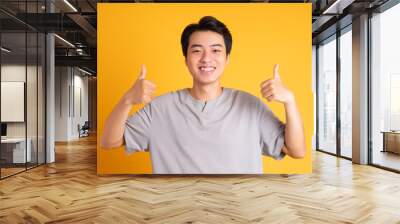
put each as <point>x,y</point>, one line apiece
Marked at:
<point>12,73</point>
<point>34,125</point>
<point>61,103</point>
<point>71,94</point>
<point>314,91</point>
<point>80,84</point>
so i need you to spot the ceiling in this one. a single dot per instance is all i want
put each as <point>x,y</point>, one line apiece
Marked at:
<point>76,22</point>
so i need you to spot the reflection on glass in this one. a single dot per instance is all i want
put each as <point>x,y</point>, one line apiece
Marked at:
<point>22,90</point>
<point>346,94</point>
<point>385,86</point>
<point>41,99</point>
<point>13,84</point>
<point>327,96</point>
<point>31,101</point>
<point>394,101</point>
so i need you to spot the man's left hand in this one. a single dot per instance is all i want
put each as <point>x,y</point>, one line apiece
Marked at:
<point>274,90</point>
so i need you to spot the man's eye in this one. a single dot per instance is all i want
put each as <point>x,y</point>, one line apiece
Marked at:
<point>195,51</point>
<point>216,50</point>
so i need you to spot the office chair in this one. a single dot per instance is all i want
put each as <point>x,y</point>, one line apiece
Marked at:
<point>84,130</point>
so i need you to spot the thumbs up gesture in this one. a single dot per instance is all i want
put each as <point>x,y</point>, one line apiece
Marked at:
<point>274,90</point>
<point>141,91</point>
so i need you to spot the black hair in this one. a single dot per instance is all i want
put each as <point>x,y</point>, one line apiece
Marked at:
<point>207,23</point>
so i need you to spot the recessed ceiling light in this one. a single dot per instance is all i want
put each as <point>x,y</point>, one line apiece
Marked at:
<point>5,50</point>
<point>337,7</point>
<point>71,6</point>
<point>84,71</point>
<point>64,40</point>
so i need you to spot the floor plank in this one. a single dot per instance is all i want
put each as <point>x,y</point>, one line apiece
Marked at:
<point>69,191</point>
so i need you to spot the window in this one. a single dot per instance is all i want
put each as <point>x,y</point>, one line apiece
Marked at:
<point>327,95</point>
<point>346,93</point>
<point>385,88</point>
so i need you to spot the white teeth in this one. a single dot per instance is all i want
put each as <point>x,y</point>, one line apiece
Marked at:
<point>207,69</point>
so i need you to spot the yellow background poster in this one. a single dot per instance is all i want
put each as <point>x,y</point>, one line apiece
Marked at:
<point>148,33</point>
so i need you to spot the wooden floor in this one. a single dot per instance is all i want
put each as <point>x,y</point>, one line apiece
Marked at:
<point>5,172</point>
<point>69,191</point>
<point>387,159</point>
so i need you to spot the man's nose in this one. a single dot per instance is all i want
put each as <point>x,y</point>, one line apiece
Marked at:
<point>206,56</point>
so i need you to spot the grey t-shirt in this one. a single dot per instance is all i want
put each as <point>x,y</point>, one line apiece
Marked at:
<point>226,135</point>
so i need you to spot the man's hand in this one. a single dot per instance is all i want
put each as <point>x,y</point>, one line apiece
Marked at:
<point>274,90</point>
<point>141,91</point>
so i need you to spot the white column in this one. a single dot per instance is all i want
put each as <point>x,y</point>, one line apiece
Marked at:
<point>50,92</point>
<point>50,108</point>
<point>360,90</point>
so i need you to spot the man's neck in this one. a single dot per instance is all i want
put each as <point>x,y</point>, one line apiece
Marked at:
<point>206,92</point>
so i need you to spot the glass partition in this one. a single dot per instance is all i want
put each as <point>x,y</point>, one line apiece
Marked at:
<point>385,89</point>
<point>22,88</point>
<point>327,95</point>
<point>346,93</point>
<point>31,100</point>
<point>13,98</point>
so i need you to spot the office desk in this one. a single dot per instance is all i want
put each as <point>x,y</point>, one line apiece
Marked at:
<point>13,150</point>
<point>391,141</point>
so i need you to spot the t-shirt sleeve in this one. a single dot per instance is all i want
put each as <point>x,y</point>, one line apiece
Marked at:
<point>137,130</point>
<point>272,132</point>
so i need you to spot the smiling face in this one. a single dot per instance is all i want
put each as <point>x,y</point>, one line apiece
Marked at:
<point>206,57</point>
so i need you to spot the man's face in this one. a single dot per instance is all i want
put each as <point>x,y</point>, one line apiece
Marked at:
<point>206,57</point>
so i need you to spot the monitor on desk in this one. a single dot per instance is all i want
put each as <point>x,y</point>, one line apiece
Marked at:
<point>3,130</point>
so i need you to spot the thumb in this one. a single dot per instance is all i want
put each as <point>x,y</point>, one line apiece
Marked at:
<point>276,72</point>
<point>143,72</point>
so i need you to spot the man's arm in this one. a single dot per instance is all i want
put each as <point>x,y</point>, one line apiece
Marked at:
<point>274,90</point>
<point>295,145</point>
<point>141,92</point>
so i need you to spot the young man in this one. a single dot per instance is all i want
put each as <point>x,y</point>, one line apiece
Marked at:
<point>207,128</point>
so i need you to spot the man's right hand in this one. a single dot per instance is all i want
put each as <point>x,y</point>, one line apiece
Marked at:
<point>114,128</point>
<point>141,91</point>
